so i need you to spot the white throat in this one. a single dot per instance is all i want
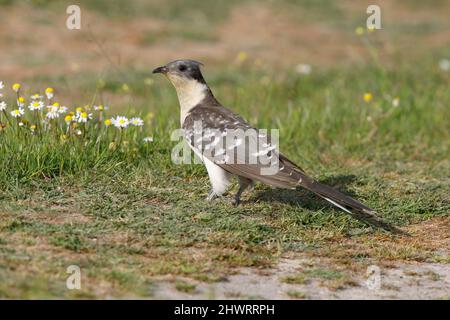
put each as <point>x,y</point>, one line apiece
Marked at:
<point>190,93</point>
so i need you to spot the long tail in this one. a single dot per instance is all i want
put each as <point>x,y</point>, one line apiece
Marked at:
<point>348,204</point>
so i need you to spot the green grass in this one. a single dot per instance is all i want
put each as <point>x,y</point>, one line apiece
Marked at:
<point>295,279</point>
<point>183,286</point>
<point>293,294</point>
<point>128,214</point>
<point>135,210</point>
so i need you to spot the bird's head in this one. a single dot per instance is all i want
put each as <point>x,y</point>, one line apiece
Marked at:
<point>182,72</point>
<point>186,77</point>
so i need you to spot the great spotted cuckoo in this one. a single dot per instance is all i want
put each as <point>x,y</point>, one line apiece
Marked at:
<point>206,124</point>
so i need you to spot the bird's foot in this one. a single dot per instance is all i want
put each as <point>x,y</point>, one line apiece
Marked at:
<point>211,196</point>
<point>236,201</point>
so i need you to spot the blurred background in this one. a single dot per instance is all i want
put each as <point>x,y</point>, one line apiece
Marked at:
<point>126,39</point>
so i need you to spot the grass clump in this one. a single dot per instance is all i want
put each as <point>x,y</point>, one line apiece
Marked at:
<point>41,139</point>
<point>298,278</point>
<point>294,294</point>
<point>185,287</point>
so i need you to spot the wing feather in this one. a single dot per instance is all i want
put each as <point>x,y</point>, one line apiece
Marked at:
<point>220,123</point>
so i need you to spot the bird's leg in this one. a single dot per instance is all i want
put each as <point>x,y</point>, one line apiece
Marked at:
<point>243,184</point>
<point>211,196</point>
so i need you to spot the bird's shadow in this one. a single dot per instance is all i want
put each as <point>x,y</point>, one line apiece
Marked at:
<point>304,198</point>
<point>308,200</point>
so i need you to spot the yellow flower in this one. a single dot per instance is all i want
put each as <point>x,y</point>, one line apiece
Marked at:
<point>68,118</point>
<point>242,56</point>
<point>79,109</point>
<point>56,104</point>
<point>21,99</point>
<point>370,29</point>
<point>107,122</point>
<point>49,93</point>
<point>150,116</point>
<point>101,83</point>
<point>359,31</point>
<point>125,87</point>
<point>149,81</point>
<point>71,113</point>
<point>368,97</point>
<point>16,87</point>
<point>33,127</point>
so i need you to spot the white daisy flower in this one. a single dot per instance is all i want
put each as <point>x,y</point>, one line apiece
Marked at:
<point>120,122</point>
<point>49,92</point>
<point>21,102</point>
<point>444,64</point>
<point>148,139</point>
<point>303,68</point>
<point>137,122</point>
<point>52,112</point>
<point>396,102</point>
<point>36,96</point>
<point>36,105</point>
<point>2,105</point>
<point>101,108</point>
<point>18,112</point>
<point>62,109</point>
<point>83,117</point>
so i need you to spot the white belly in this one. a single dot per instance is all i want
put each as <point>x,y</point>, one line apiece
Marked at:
<point>219,178</point>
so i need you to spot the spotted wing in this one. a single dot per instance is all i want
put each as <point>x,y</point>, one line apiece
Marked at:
<point>230,142</point>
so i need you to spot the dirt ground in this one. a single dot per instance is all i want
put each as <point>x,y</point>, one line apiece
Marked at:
<point>317,276</point>
<point>399,281</point>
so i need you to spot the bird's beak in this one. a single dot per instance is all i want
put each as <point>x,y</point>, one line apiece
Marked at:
<point>161,70</point>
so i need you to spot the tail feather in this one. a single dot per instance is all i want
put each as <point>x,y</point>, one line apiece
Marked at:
<point>347,204</point>
<point>337,205</point>
<point>341,199</point>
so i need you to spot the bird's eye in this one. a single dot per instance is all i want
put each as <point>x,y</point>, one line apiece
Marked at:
<point>182,67</point>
